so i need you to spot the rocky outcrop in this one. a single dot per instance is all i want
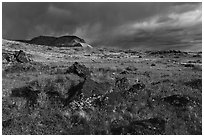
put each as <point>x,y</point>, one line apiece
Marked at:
<point>85,88</point>
<point>80,70</point>
<point>17,56</point>
<point>27,93</point>
<point>152,126</point>
<point>21,57</point>
<point>121,84</point>
<point>194,84</point>
<point>136,87</point>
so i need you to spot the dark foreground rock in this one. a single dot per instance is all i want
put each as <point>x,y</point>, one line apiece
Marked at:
<point>80,70</point>
<point>195,84</point>
<point>74,93</point>
<point>21,57</point>
<point>177,100</point>
<point>26,92</point>
<point>121,84</point>
<point>136,87</point>
<point>152,126</point>
<point>180,101</point>
<point>185,110</point>
<point>17,56</point>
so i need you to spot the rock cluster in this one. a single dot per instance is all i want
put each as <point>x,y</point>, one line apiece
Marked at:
<point>18,56</point>
<point>152,126</point>
<point>165,52</point>
<point>153,115</point>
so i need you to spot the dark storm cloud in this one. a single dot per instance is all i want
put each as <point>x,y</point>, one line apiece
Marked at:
<point>68,17</point>
<point>100,24</point>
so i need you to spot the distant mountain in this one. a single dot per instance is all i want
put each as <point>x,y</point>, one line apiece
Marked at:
<point>63,41</point>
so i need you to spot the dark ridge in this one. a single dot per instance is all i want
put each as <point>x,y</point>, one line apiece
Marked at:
<point>42,40</point>
<point>25,41</point>
<point>63,41</point>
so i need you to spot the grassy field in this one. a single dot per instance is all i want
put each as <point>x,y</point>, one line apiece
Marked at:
<point>107,92</point>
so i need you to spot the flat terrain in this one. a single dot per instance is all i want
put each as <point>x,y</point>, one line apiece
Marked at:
<point>100,91</point>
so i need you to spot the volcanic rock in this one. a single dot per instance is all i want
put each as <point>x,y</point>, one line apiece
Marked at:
<point>7,57</point>
<point>21,57</point>
<point>18,56</point>
<point>177,100</point>
<point>137,86</point>
<point>26,92</point>
<point>131,68</point>
<point>80,70</point>
<point>74,92</point>
<point>93,88</point>
<point>195,84</point>
<point>121,84</point>
<point>152,126</point>
<point>7,123</point>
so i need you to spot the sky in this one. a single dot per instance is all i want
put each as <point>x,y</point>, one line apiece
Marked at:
<point>131,25</point>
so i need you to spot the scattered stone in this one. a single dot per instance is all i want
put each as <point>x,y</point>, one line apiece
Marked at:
<point>152,126</point>
<point>156,82</point>
<point>117,127</point>
<point>121,84</point>
<point>7,123</point>
<point>18,56</point>
<point>21,57</point>
<point>189,65</point>
<point>85,89</point>
<point>49,48</point>
<point>124,72</point>
<point>26,92</point>
<point>153,64</point>
<point>7,57</point>
<point>114,98</point>
<point>197,56</point>
<point>73,93</point>
<point>131,68</point>
<point>180,101</point>
<point>165,52</point>
<point>195,84</point>
<point>176,57</point>
<point>80,70</point>
<point>136,87</point>
<point>93,88</point>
